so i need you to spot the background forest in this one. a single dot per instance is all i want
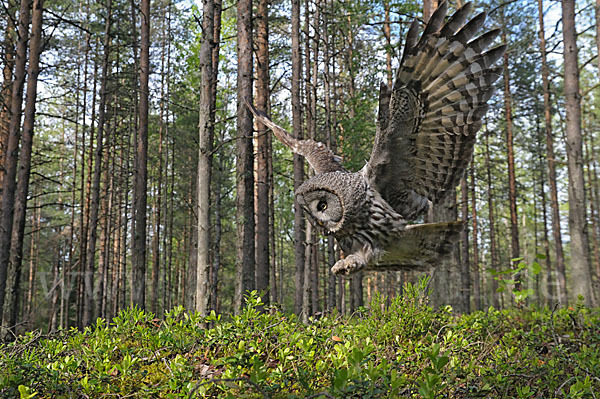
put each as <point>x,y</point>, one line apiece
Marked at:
<point>132,172</point>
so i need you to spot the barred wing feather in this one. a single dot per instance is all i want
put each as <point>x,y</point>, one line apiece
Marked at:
<point>428,121</point>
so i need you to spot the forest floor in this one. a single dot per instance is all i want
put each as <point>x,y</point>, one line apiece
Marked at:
<point>403,350</point>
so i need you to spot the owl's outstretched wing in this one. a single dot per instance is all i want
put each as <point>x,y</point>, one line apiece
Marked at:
<point>319,157</point>
<point>428,121</point>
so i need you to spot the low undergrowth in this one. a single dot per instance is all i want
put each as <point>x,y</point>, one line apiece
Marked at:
<point>397,351</point>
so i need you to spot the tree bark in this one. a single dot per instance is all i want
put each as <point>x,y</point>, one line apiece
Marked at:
<point>216,264</point>
<point>329,131</point>
<point>429,6</point>
<point>138,261</point>
<point>551,158</point>
<point>598,33</point>
<point>465,273</point>
<point>475,245</point>
<point>299,222</point>
<point>492,221</point>
<point>6,91</point>
<point>580,269</point>
<point>204,159</point>
<point>245,263</point>
<point>12,146</point>
<point>158,209</point>
<point>11,304</point>
<point>262,161</point>
<point>593,200</point>
<point>88,274</point>
<point>512,185</point>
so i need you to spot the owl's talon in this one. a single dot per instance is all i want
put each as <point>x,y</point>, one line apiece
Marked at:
<point>348,265</point>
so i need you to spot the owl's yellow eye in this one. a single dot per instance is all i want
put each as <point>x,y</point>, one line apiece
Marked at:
<point>321,206</point>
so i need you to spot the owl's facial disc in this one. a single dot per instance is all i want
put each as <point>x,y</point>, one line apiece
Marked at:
<point>324,208</point>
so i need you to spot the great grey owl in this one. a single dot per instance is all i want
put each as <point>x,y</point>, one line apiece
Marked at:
<point>426,130</point>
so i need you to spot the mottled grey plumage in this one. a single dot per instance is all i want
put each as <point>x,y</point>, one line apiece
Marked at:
<point>426,129</point>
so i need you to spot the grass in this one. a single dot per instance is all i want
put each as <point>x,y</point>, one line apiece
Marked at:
<point>405,350</point>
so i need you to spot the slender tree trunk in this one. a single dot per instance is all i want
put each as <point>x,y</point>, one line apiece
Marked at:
<point>475,245</point>
<point>316,43</point>
<point>465,263</point>
<point>262,164</point>
<point>310,291</point>
<point>88,276</point>
<point>580,270</point>
<point>492,220</point>
<point>6,92</point>
<point>389,50</point>
<point>11,304</point>
<point>158,209</point>
<point>594,203</point>
<point>138,261</point>
<point>245,264</point>
<point>192,265</point>
<point>356,280</point>
<point>204,160</point>
<point>512,185</point>
<point>329,131</point>
<point>429,6</point>
<point>216,264</point>
<point>550,156</point>
<point>33,258</point>
<point>548,290</point>
<point>217,238</point>
<point>275,277</point>
<point>85,184</point>
<point>299,222</point>
<point>53,319</point>
<point>12,146</point>
<point>598,33</point>
<point>306,298</point>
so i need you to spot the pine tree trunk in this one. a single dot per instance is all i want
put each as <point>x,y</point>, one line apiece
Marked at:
<point>550,156</point>
<point>6,91</point>
<point>512,185</point>
<point>547,290</point>
<point>492,220</point>
<point>299,222</point>
<point>594,203</point>
<point>157,208</point>
<point>262,161</point>
<point>580,270</point>
<point>216,259</point>
<point>598,33</point>
<point>465,273</point>
<point>429,6</point>
<point>12,146</point>
<point>11,304</point>
<point>245,264</point>
<point>140,185</point>
<point>316,42</point>
<point>204,161</point>
<point>475,245</point>
<point>33,258</point>
<point>329,131</point>
<point>85,183</point>
<point>88,273</point>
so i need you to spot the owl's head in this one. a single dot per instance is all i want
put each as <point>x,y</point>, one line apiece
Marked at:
<point>331,199</point>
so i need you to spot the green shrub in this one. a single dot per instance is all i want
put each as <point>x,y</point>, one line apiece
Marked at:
<point>403,350</point>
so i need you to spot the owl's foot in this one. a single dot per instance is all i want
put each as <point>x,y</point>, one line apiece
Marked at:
<point>350,264</point>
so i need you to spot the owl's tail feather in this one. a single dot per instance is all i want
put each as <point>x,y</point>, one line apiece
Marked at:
<point>420,247</point>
